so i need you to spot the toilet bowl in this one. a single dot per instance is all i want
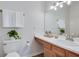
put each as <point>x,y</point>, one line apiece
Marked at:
<point>11,47</point>
<point>12,54</point>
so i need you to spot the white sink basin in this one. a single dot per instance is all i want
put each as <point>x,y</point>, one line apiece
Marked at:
<point>71,45</point>
<point>68,43</point>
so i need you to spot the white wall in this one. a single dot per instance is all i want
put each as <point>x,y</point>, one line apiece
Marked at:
<point>34,21</point>
<point>74,18</point>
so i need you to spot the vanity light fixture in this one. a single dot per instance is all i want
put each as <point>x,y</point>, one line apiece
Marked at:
<point>60,4</point>
<point>69,2</point>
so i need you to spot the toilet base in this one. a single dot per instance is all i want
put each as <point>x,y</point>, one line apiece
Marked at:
<point>12,54</point>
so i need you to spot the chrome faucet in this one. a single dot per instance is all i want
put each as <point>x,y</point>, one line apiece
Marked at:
<point>69,37</point>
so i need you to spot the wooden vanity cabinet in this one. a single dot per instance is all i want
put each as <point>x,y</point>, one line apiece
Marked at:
<point>47,53</point>
<point>47,47</point>
<point>51,50</point>
<point>59,52</point>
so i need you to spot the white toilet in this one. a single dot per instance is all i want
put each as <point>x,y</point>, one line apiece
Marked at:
<point>11,48</point>
<point>13,54</point>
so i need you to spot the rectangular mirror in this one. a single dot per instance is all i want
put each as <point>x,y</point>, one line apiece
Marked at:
<point>63,17</point>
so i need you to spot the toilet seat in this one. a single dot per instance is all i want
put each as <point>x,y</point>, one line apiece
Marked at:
<point>13,54</point>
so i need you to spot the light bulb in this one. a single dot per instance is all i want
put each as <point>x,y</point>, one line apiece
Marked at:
<point>68,2</point>
<point>64,1</point>
<point>51,7</point>
<point>55,8</point>
<point>61,5</point>
<point>57,4</point>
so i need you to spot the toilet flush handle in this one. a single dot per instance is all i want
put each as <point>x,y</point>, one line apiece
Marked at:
<point>28,42</point>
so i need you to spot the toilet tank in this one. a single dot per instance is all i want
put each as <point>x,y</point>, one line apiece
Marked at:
<point>11,46</point>
<point>1,49</point>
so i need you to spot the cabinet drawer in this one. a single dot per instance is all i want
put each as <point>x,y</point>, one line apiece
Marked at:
<point>58,51</point>
<point>39,40</point>
<point>45,44</point>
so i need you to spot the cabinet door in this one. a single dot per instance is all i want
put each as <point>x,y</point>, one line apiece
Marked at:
<point>59,51</point>
<point>5,18</point>
<point>47,45</point>
<point>19,19</point>
<point>53,52</point>
<point>47,53</point>
<point>9,18</point>
<point>12,18</point>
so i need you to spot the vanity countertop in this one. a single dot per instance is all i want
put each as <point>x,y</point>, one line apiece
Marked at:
<point>61,42</point>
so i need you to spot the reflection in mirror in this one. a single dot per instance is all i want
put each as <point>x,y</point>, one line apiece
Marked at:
<point>65,19</point>
<point>55,19</point>
<point>61,25</point>
<point>74,19</point>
